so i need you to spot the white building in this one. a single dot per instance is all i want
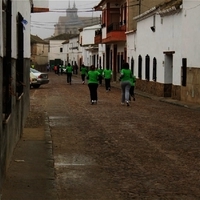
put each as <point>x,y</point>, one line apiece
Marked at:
<point>164,50</point>
<point>72,51</point>
<point>15,21</point>
<point>89,49</point>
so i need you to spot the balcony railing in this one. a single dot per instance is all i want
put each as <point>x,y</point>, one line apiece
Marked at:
<point>113,27</point>
<point>98,32</point>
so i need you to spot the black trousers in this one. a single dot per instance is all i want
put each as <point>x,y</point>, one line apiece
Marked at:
<point>107,83</point>
<point>93,91</point>
<point>83,77</point>
<point>132,91</point>
<point>69,77</point>
<point>100,80</point>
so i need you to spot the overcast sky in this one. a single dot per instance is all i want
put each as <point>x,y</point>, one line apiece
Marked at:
<point>42,24</point>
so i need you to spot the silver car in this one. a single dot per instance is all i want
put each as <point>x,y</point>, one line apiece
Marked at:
<point>42,78</point>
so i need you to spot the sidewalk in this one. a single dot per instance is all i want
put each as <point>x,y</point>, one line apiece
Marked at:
<point>162,99</point>
<point>30,175</point>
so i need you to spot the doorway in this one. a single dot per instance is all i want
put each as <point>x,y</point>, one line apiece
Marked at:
<point>168,73</point>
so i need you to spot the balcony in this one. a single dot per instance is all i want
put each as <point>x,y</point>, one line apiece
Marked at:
<point>115,33</point>
<point>98,37</point>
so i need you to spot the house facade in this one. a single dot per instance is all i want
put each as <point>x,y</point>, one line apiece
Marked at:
<point>71,51</point>
<point>14,75</point>
<point>164,52</point>
<point>92,53</point>
<point>55,54</point>
<point>39,52</point>
<point>117,19</point>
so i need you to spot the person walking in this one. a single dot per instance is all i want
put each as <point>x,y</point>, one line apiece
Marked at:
<point>83,71</point>
<point>55,69</point>
<point>69,70</point>
<point>92,77</point>
<point>107,74</point>
<point>100,70</point>
<point>125,78</point>
<point>132,89</point>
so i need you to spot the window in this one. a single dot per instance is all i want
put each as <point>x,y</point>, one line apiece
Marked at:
<point>184,71</point>
<point>132,65</point>
<point>61,49</point>
<point>154,69</point>
<point>147,67</point>
<point>20,56</point>
<point>140,67</point>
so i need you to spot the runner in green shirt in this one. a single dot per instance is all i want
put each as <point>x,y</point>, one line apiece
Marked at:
<point>92,77</point>
<point>100,70</point>
<point>125,78</point>
<point>107,74</point>
<point>83,71</point>
<point>69,70</point>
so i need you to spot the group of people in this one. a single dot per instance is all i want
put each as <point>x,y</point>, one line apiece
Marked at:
<point>95,77</point>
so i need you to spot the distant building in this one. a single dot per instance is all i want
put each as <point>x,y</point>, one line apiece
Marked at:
<point>72,22</point>
<point>39,52</point>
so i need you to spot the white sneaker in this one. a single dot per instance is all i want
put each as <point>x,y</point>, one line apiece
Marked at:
<point>127,103</point>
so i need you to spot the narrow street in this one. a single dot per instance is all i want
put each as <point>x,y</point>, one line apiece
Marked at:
<point>107,151</point>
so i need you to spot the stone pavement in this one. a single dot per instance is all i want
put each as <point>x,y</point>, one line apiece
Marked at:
<point>31,172</point>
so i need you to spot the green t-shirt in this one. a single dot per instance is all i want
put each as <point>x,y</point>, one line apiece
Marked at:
<point>100,71</point>
<point>83,70</point>
<point>69,69</point>
<point>126,75</point>
<point>92,76</point>
<point>107,73</point>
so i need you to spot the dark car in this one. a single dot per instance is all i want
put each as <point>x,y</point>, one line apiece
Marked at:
<point>42,78</point>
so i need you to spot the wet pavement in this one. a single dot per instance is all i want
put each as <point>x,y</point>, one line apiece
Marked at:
<point>107,151</point>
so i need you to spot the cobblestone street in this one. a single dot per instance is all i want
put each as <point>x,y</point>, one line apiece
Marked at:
<point>149,150</point>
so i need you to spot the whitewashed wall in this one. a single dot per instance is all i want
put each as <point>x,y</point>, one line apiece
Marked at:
<point>55,46</point>
<point>101,52</point>
<point>24,8</point>
<point>191,33</point>
<point>131,49</point>
<point>167,37</point>
<point>65,52</point>
<point>41,4</point>
<point>88,34</point>
<point>73,53</point>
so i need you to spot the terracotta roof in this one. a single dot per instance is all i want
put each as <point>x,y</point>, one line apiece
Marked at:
<point>36,39</point>
<point>64,36</point>
<point>164,8</point>
<point>169,5</point>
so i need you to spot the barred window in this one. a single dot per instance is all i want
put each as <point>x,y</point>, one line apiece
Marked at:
<point>147,67</point>
<point>140,67</point>
<point>154,69</point>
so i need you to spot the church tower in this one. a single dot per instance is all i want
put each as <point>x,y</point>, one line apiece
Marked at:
<point>71,13</point>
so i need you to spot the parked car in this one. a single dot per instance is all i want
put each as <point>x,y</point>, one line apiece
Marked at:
<point>33,79</point>
<point>42,78</point>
